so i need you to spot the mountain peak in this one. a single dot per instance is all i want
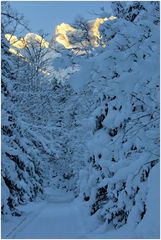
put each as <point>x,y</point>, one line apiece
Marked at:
<point>63,34</point>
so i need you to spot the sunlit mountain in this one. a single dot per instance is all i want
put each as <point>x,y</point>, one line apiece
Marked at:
<point>62,35</point>
<point>63,30</point>
<point>25,41</point>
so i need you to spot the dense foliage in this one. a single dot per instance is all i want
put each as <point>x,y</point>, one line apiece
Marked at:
<point>92,126</point>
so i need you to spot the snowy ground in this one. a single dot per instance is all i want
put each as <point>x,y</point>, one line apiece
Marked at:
<point>55,217</point>
<point>59,215</point>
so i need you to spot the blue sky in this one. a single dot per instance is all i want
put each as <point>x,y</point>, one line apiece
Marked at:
<point>46,15</point>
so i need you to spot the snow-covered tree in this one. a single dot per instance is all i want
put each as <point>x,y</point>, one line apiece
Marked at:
<point>123,83</point>
<point>22,170</point>
<point>92,127</point>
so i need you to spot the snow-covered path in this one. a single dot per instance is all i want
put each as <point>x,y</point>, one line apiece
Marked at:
<point>54,221</point>
<point>57,217</point>
<point>60,216</point>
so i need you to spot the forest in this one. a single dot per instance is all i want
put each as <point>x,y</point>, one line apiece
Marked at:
<point>80,126</point>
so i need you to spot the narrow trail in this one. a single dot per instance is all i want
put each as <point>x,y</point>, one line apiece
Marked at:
<point>57,217</point>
